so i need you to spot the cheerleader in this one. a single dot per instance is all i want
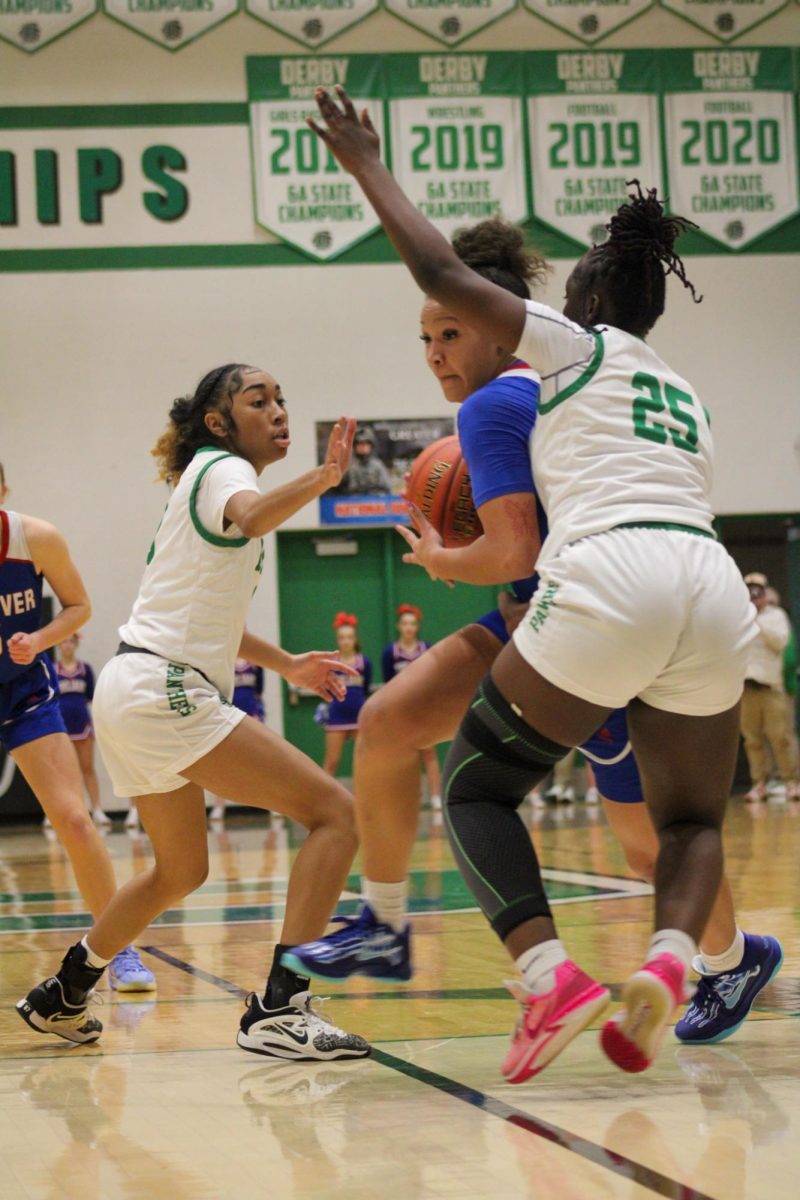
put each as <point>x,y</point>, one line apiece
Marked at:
<point>341,721</point>
<point>75,692</point>
<point>396,657</point>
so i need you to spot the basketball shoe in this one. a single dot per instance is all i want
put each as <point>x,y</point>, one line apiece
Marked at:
<point>721,1003</point>
<point>296,1031</point>
<point>59,1004</point>
<point>362,945</point>
<point>127,972</point>
<point>651,996</point>
<point>550,1021</point>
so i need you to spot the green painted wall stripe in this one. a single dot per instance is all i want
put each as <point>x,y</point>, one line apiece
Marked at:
<point>94,116</point>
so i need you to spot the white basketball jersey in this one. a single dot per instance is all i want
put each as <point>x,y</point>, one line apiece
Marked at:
<point>619,437</point>
<point>200,577</point>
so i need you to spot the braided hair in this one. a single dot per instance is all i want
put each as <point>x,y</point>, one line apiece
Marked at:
<point>637,257</point>
<point>187,430</point>
<point>495,249</point>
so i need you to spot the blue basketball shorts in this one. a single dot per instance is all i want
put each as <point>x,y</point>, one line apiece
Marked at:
<point>29,707</point>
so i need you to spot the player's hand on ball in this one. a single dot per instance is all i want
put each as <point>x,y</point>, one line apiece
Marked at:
<point>320,671</point>
<point>339,452</point>
<point>424,545</point>
<point>351,139</point>
<point>22,648</point>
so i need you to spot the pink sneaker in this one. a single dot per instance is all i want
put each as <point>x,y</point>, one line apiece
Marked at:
<point>651,996</point>
<point>549,1022</point>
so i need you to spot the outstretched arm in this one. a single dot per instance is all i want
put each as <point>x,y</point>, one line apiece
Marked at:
<point>318,670</point>
<point>431,259</point>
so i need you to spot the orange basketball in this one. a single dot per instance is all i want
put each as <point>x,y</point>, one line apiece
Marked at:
<point>439,485</point>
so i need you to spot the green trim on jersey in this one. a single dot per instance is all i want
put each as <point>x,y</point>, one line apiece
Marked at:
<point>206,534</point>
<point>667,525</point>
<point>585,376</point>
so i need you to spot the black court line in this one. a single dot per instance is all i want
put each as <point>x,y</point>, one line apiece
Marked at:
<point>618,1164</point>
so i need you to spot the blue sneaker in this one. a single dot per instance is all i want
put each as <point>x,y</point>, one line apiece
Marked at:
<point>361,946</point>
<point>721,1003</point>
<point>127,972</point>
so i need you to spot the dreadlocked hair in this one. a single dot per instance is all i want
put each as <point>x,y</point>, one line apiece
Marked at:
<point>638,256</point>
<point>187,430</point>
<point>495,249</point>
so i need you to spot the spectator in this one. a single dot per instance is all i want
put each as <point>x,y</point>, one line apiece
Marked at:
<point>764,712</point>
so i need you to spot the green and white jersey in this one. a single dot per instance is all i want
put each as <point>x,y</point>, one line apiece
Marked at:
<point>619,437</point>
<point>200,577</point>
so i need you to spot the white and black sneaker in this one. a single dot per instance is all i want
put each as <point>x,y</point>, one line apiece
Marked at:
<point>296,1032</point>
<point>47,1008</point>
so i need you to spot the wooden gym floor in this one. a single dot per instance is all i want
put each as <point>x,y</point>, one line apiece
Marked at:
<point>166,1105</point>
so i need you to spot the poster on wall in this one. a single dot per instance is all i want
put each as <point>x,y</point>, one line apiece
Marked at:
<point>458,148</point>
<point>171,23</point>
<point>725,19</point>
<point>383,451</point>
<point>450,21</point>
<point>301,192</point>
<point>589,20</point>
<point>311,22</point>
<point>31,24</point>
<point>593,124</point>
<point>731,140</point>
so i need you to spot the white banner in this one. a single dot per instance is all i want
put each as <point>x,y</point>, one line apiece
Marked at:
<point>588,20</point>
<point>724,19</point>
<point>31,24</point>
<point>450,21</point>
<point>312,22</point>
<point>170,23</point>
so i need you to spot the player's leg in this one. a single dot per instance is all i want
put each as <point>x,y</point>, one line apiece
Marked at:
<point>421,705</point>
<point>334,745</point>
<point>85,752</point>
<point>51,768</point>
<point>433,774</point>
<point>254,766</point>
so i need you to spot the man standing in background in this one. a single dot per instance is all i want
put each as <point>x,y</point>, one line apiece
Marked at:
<point>764,713</point>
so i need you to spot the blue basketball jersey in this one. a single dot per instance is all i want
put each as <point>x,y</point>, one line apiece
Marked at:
<point>20,591</point>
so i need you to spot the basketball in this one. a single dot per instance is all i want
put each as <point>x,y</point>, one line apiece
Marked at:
<point>439,484</point>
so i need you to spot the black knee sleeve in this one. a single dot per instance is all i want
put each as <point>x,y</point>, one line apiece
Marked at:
<point>494,761</point>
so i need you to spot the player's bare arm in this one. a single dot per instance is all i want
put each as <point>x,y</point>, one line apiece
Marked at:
<point>320,671</point>
<point>51,556</point>
<point>354,142</point>
<point>256,514</point>
<point>507,550</point>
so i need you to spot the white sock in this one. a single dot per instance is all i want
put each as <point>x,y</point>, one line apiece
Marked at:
<point>675,942</point>
<point>94,960</point>
<point>387,901</point>
<point>715,964</point>
<point>538,966</point>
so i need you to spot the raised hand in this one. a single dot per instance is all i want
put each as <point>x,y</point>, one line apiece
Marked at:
<point>339,451</point>
<point>320,671</point>
<point>352,140</point>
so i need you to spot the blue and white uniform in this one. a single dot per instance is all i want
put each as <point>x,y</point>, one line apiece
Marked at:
<point>495,425</point>
<point>248,686</point>
<point>396,658</point>
<point>76,691</point>
<point>343,714</point>
<point>29,706</point>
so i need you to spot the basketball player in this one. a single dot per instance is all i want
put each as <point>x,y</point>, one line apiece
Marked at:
<point>32,729</point>
<point>655,613</point>
<point>167,730</point>
<point>495,423</point>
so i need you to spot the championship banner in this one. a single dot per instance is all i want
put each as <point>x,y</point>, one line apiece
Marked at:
<point>170,23</point>
<point>589,20</point>
<point>311,22</point>
<point>725,19</point>
<point>458,147</point>
<point>731,140</point>
<point>593,124</point>
<point>301,192</point>
<point>31,24</point>
<point>451,21</point>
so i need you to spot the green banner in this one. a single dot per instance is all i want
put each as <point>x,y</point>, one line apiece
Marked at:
<point>593,124</point>
<point>458,149</point>
<point>301,192</point>
<point>730,130</point>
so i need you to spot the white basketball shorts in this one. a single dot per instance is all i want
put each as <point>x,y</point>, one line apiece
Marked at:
<point>153,719</point>
<point>656,613</point>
